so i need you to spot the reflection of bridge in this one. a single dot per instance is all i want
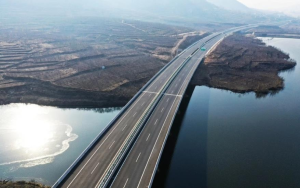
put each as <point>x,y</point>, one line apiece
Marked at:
<point>127,152</point>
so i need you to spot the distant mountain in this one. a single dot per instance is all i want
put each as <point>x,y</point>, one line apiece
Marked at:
<point>180,12</point>
<point>233,5</point>
<point>225,11</point>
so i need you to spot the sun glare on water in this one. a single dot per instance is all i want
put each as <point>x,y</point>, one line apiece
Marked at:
<point>32,135</point>
<point>33,131</point>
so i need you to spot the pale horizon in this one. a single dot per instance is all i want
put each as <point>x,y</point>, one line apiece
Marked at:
<point>271,5</point>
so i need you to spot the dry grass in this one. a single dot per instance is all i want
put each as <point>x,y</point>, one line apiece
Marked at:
<point>63,66</point>
<point>21,184</point>
<point>243,64</point>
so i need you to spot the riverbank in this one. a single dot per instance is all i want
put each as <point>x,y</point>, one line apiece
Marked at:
<point>21,184</point>
<point>106,75</point>
<point>244,64</point>
<point>230,140</point>
<point>103,69</point>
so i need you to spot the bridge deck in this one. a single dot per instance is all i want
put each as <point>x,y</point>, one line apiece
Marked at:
<point>92,167</point>
<point>140,165</point>
<point>98,162</point>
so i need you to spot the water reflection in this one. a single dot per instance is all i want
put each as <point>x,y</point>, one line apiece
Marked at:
<point>31,136</point>
<point>270,93</point>
<point>33,132</point>
<point>101,110</point>
<point>242,141</point>
<point>38,142</point>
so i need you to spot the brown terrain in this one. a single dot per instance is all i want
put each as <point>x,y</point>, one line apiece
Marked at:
<point>289,30</point>
<point>104,62</point>
<point>90,63</point>
<point>21,184</point>
<point>243,64</point>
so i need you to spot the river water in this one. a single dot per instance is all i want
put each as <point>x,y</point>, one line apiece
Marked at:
<point>39,142</point>
<point>225,140</point>
<point>231,140</point>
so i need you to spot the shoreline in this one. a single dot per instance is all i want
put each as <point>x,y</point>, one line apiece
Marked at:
<point>213,65</point>
<point>244,64</point>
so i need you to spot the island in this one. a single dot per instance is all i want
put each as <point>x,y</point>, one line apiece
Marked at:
<point>243,63</point>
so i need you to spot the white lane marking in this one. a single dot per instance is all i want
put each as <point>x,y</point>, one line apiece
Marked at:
<point>138,158</point>
<point>163,74</point>
<point>155,121</point>
<point>125,183</point>
<point>148,137</point>
<point>104,141</point>
<point>149,92</point>
<point>155,143</point>
<point>155,88</point>
<point>186,81</point>
<point>168,100</point>
<point>150,86</point>
<point>134,114</point>
<point>124,127</point>
<point>176,85</point>
<point>161,131</point>
<point>162,109</point>
<point>98,184</point>
<point>106,169</point>
<point>94,168</point>
<point>143,104</point>
<point>172,95</point>
<point>116,127</point>
<point>111,145</point>
<point>172,91</point>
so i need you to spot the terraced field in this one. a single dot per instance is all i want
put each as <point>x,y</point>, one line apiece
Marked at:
<point>85,62</point>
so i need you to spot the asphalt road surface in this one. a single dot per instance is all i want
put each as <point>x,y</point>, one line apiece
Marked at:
<point>140,165</point>
<point>92,167</point>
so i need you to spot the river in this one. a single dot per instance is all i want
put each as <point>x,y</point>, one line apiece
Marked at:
<point>40,142</point>
<point>234,140</point>
<point>224,139</point>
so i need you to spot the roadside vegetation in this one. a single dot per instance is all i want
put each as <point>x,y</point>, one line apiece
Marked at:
<point>243,63</point>
<point>85,63</point>
<point>21,184</point>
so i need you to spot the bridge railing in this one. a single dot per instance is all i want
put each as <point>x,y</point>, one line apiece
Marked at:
<point>139,125</point>
<point>189,79</point>
<point>112,122</point>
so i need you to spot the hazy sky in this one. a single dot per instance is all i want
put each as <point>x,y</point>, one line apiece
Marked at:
<point>270,4</point>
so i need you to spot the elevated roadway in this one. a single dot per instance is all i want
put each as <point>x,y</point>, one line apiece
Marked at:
<point>129,149</point>
<point>140,165</point>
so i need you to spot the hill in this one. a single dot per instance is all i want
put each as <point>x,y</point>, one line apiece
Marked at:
<point>232,5</point>
<point>181,12</point>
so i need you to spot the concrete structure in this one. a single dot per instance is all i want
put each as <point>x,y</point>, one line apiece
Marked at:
<point>127,152</point>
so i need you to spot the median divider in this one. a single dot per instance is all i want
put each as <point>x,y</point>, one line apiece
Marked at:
<point>103,182</point>
<point>134,132</point>
<point>184,91</point>
<point>112,122</point>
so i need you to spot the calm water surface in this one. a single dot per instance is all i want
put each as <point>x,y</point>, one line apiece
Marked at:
<point>38,142</point>
<point>229,140</point>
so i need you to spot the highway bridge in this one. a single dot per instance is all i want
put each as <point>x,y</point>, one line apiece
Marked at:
<point>127,152</point>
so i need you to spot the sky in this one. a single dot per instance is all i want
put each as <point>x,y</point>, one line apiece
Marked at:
<point>270,4</point>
